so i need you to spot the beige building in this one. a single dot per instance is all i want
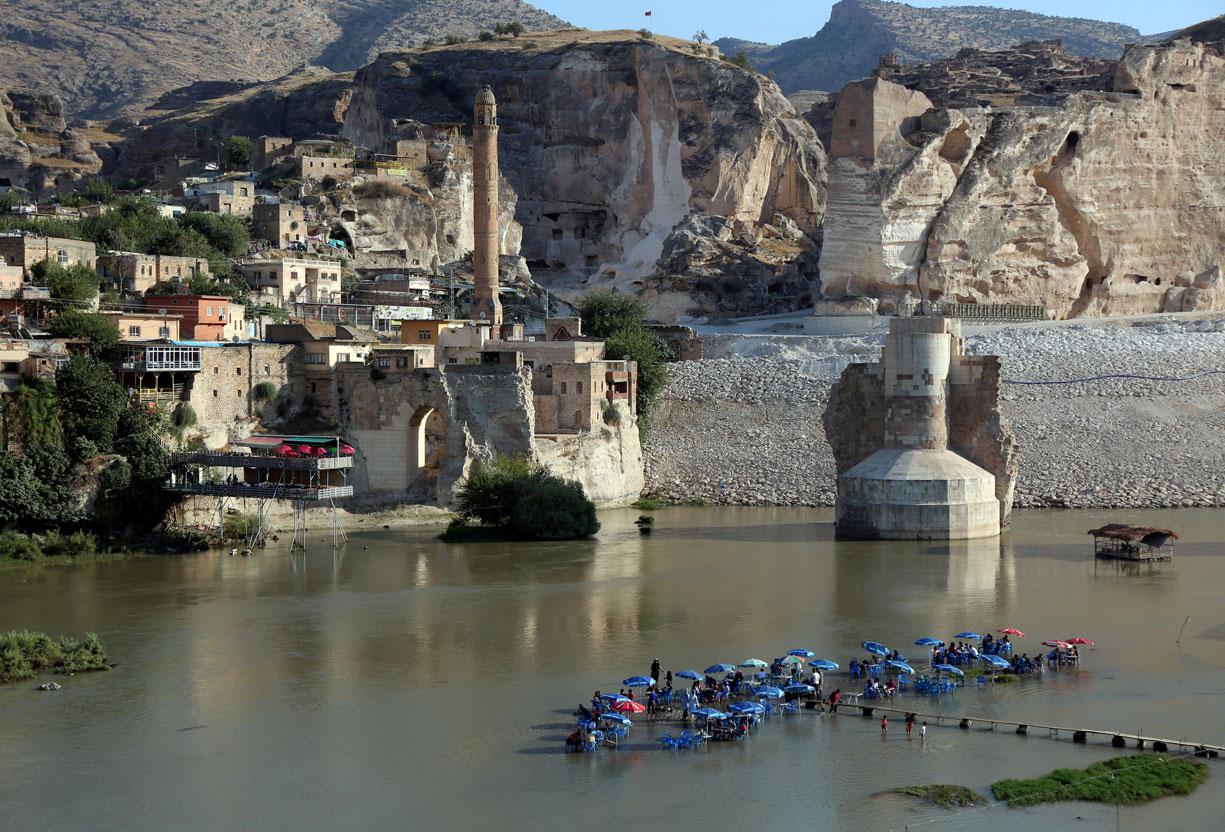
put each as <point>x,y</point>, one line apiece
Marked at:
<point>293,280</point>
<point>401,356</point>
<point>319,167</point>
<point>133,272</point>
<point>221,203</point>
<point>279,223</point>
<point>269,150</point>
<point>26,250</point>
<point>11,278</point>
<point>323,346</point>
<point>145,326</point>
<point>13,355</point>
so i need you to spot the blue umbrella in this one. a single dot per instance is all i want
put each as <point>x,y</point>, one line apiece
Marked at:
<point>709,713</point>
<point>799,688</point>
<point>771,692</point>
<point>720,668</point>
<point>746,708</point>
<point>690,674</point>
<point>948,668</point>
<point>612,697</point>
<point>928,641</point>
<point>996,661</point>
<point>614,717</point>
<point>969,635</point>
<point>638,682</point>
<point>876,648</point>
<point>802,653</point>
<point>902,666</point>
<point>824,664</point>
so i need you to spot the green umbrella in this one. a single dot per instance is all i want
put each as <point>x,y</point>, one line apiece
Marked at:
<point>793,660</point>
<point>754,663</point>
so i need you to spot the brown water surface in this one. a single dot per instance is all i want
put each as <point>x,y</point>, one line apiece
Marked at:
<point>417,685</point>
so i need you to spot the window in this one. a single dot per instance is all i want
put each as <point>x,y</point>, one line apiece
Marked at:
<point>384,362</point>
<point>424,335</point>
<point>238,371</point>
<point>62,257</point>
<point>133,332</point>
<point>163,332</point>
<point>314,358</point>
<point>216,370</point>
<point>578,387</point>
<point>214,392</point>
<point>342,356</point>
<point>452,360</point>
<point>267,369</point>
<point>401,361</point>
<point>208,311</point>
<point>238,392</point>
<point>563,388</point>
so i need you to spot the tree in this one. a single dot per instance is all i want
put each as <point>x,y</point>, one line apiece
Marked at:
<point>485,37</point>
<point>742,60</point>
<point>451,40</point>
<point>38,411</point>
<point>77,282</point>
<point>90,401</point>
<point>100,331</point>
<point>605,312</point>
<point>515,28</point>
<point>700,36</point>
<point>551,509</point>
<point>646,348</point>
<point>226,233</point>
<point>237,152</point>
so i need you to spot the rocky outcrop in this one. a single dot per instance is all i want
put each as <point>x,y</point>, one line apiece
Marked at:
<point>1109,204</point>
<point>610,140</point>
<point>39,152</point>
<point>860,31</point>
<point>607,462</point>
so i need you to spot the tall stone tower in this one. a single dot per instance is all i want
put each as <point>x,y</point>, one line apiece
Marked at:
<point>486,306</point>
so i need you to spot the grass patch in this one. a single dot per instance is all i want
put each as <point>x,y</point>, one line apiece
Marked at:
<point>1124,780</point>
<point>944,796</point>
<point>648,504</point>
<point>24,654</point>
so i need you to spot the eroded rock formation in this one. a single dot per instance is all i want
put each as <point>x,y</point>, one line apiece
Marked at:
<point>39,152</point>
<point>1109,204</point>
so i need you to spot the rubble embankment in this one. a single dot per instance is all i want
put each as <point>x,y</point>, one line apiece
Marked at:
<point>744,426</point>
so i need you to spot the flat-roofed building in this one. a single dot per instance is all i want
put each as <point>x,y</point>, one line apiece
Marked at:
<point>145,326</point>
<point>133,272</point>
<point>25,250</point>
<point>293,280</point>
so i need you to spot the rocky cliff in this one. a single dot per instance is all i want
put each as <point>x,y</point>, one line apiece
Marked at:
<point>104,57</point>
<point>39,152</point>
<point>1108,204</point>
<point>860,31</point>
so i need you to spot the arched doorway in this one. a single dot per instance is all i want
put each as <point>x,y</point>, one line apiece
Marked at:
<point>426,435</point>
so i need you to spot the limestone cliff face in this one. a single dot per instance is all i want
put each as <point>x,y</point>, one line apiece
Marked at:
<point>610,142</point>
<point>1109,204</point>
<point>38,150</point>
<point>607,462</point>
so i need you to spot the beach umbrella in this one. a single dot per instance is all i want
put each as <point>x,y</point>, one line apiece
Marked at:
<point>792,660</point>
<point>1012,631</point>
<point>900,665</point>
<point>629,706</point>
<point>690,674</point>
<point>710,713</point>
<point>948,668</point>
<point>799,687</point>
<point>754,663</point>
<point>719,668</point>
<point>823,664</point>
<point>304,449</point>
<point>969,635</point>
<point>613,697</point>
<point>746,708</point>
<point>996,661</point>
<point>1081,640</point>
<point>638,682</point>
<point>1057,644</point>
<point>875,648</point>
<point>769,692</point>
<point>802,653</point>
<point>611,717</point>
<point>928,641</point>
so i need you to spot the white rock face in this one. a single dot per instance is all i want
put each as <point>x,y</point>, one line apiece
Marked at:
<point>607,462</point>
<point>1112,204</point>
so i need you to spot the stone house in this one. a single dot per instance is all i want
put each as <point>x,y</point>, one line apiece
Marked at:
<point>318,168</point>
<point>204,316</point>
<point>221,203</point>
<point>25,250</point>
<point>268,150</point>
<point>13,355</point>
<point>145,326</point>
<point>11,279</point>
<point>321,347</point>
<point>132,272</point>
<point>279,223</point>
<point>293,280</point>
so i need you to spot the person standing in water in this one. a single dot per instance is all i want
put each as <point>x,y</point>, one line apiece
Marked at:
<point>909,723</point>
<point>655,669</point>
<point>884,724</point>
<point>923,731</point>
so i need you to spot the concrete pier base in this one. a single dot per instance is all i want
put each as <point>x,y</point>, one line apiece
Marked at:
<point>926,494</point>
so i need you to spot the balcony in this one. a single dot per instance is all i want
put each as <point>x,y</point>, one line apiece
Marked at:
<point>156,358</point>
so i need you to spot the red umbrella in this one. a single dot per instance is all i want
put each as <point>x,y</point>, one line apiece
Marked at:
<point>1012,631</point>
<point>285,450</point>
<point>320,451</point>
<point>1080,640</point>
<point>347,449</point>
<point>304,449</point>
<point>629,706</point>
<point>1059,645</point>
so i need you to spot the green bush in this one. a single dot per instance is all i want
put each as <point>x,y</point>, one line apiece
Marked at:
<point>1124,780</point>
<point>77,282</point>
<point>38,412</point>
<point>100,331</point>
<point>485,37</point>
<point>265,391</point>
<point>184,415</point>
<point>611,414</point>
<point>526,501</point>
<point>24,653</point>
<point>648,503</point>
<point>90,401</point>
<point>17,546</point>
<point>605,312</point>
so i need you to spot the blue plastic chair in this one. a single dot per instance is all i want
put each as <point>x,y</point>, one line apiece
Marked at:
<point>903,681</point>
<point>667,741</point>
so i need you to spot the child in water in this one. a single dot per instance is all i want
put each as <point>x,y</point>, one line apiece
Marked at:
<point>923,731</point>
<point>884,724</point>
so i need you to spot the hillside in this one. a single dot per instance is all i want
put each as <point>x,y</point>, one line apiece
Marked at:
<point>104,57</point>
<point>849,46</point>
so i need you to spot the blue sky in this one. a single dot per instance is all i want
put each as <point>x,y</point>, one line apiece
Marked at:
<point>774,21</point>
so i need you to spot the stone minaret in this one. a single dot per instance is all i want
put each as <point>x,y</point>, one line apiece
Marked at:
<point>486,305</point>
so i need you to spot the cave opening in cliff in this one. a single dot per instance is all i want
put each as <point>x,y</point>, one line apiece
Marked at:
<point>342,236</point>
<point>1070,144</point>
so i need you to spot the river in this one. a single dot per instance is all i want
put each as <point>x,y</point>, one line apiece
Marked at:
<point>414,684</point>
